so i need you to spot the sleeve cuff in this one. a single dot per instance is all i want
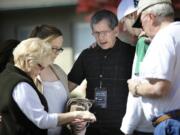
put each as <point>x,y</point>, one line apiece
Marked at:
<point>51,121</point>
<point>127,130</point>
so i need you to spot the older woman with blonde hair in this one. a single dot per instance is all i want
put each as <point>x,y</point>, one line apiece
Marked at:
<point>24,109</point>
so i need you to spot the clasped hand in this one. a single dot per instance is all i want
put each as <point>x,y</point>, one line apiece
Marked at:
<point>81,122</point>
<point>132,85</point>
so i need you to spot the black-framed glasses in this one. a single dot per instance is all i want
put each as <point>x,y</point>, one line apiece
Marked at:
<point>59,50</point>
<point>40,66</point>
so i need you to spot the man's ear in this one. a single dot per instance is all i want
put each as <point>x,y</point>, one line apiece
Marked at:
<point>120,26</point>
<point>153,20</point>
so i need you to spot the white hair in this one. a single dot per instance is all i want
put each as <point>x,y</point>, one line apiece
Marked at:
<point>163,11</point>
<point>33,51</point>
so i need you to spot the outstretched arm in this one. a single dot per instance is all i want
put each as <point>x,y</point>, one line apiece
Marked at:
<point>65,118</point>
<point>153,88</point>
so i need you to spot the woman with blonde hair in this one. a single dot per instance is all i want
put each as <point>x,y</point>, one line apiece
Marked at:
<point>24,109</point>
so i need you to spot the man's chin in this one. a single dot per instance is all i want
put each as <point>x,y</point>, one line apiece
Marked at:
<point>105,46</point>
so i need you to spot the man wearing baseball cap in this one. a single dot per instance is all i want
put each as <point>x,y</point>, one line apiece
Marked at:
<point>134,121</point>
<point>159,86</point>
<point>126,13</point>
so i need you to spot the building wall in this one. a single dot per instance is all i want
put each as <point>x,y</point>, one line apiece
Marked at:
<point>24,4</point>
<point>18,24</point>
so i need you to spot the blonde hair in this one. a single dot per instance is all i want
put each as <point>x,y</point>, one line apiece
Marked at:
<point>30,52</point>
<point>50,38</point>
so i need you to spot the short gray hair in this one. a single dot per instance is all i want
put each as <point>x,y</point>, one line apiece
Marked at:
<point>107,15</point>
<point>162,11</point>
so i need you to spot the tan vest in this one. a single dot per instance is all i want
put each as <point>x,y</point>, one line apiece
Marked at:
<point>59,73</point>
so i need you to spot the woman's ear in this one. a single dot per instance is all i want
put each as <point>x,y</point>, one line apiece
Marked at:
<point>27,65</point>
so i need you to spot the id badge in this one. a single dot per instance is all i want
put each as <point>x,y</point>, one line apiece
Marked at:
<point>101,97</point>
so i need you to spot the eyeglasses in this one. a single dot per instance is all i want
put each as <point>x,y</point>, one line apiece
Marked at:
<point>40,66</point>
<point>58,50</point>
<point>103,33</point>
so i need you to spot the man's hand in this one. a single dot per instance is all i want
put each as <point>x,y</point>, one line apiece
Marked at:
<point>133,85</point>
<point>151,87</point>
<point>86,116</point>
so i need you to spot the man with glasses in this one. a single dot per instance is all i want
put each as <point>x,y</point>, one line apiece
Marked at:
<point>106,69</point>
<point>159,86</point>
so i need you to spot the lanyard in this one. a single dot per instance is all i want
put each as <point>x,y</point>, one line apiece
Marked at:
<point>102,65</point>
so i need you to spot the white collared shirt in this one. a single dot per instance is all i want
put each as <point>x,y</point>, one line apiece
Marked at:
<point>162,61</point>
<point>30,104</point>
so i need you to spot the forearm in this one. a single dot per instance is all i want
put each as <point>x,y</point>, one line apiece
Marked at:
<point>65,118</point>
<point>145,90</point>
<point>153,88</point>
